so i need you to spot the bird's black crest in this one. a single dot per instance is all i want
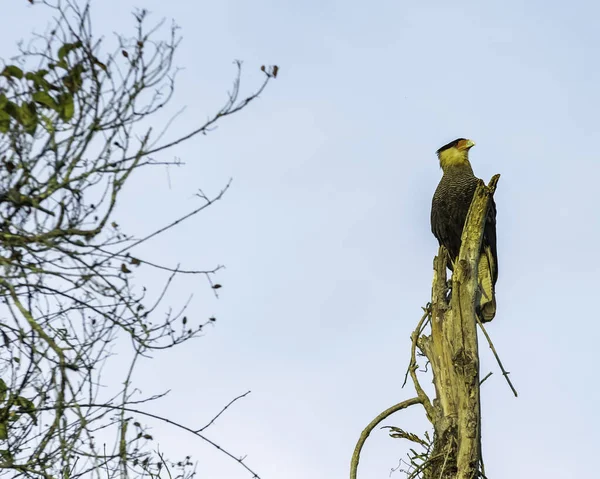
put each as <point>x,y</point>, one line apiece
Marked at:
<point>452,144</point>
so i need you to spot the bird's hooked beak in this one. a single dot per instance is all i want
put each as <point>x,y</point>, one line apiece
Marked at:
<point>470,144</point>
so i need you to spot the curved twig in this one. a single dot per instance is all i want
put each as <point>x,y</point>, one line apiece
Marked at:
<point>420,327</point>
<point>413,367</point>
<point>365,434</point>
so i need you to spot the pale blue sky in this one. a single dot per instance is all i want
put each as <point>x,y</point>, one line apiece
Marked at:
<point>325,232</point>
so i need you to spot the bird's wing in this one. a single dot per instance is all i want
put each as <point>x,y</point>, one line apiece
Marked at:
<point>446,229</point>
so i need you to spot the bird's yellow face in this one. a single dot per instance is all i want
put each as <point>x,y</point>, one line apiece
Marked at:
<point>455,153</point>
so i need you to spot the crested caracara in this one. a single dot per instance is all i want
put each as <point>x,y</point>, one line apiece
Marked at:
<point>449,208</point>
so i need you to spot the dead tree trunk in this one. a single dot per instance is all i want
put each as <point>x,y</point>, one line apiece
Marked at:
<point>453,353</point>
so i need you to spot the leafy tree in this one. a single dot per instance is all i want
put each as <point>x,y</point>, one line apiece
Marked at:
<point>72,116</point>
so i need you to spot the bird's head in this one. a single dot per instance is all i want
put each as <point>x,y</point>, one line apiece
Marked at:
<point>455,153</point>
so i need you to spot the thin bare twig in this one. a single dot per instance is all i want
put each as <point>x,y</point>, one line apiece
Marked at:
<point>413,366</point>
<point>173,423</point>
<point>420,327</point>
<point>504,372</point>
<point>486,376</point>
<point>224,409</point>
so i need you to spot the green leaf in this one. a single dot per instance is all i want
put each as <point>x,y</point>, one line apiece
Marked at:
<point>48,123</point>
<point>3,390</point>
<point>12,71</point>
<point>67,48</point>
<point>12,109</point>
<point>7,456</point>
<point>28,112</point>
<point>43,98</point>
<point>28,117</point>
<point>60,64</point>
<point>73,80</point>
<point>25,403</point>
<point>4,116</point>
<point>4,122</point>
<point>100,64</point>
<point>3,431</point>
<point>27,407</point>
<point>31,128</point>
<point>66,107</point>
<point>38,79</point>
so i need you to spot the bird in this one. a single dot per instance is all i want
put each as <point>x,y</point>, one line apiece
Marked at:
<point>449,208</point>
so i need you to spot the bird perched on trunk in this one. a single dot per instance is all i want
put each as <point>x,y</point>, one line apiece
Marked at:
<point>449,208</point>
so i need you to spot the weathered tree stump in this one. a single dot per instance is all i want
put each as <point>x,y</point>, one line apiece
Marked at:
<point>453,353</point>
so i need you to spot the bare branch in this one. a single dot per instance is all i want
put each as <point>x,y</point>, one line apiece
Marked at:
<point>223,410</point>
<point>504,372</point>
<point>372,425</point>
